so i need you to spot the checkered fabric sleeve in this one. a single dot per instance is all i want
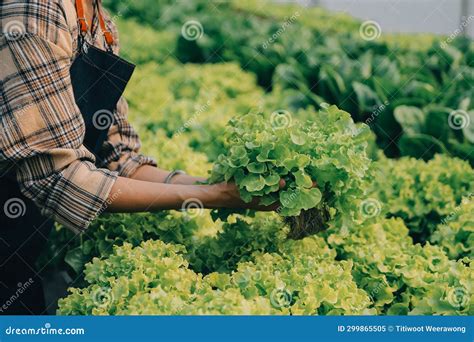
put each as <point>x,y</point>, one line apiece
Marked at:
<point>42,129</point>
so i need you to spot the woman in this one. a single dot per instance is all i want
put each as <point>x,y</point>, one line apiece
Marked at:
<point>60,80</point>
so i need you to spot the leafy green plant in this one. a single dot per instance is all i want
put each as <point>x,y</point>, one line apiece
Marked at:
<point>191,103</point>
<point>111,230</point>
<point>421,193</point>
<point>236,242</point>
<point>369,269</point>
<point>321,57</point>
<point>154,278</point>
<point>416,100</point>
<point>381,78</point>
<point>435,129</point>
<point>403,278</point>
<point>301,279</point>
<point>455,233</point>
<point>329,150</point>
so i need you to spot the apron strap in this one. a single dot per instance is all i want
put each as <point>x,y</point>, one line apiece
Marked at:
<point>107,34</point>
<point>109,39</point>
<point>81,17</point>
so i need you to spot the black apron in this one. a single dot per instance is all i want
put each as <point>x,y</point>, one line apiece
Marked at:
<point>98,80</point>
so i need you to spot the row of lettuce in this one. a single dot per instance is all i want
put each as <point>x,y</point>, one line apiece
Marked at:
<point>373,269</point>
<point>246,265</point>
<point>414,91</point>
<point>409,254</point>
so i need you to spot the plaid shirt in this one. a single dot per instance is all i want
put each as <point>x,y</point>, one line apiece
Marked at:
<point>42,127</point>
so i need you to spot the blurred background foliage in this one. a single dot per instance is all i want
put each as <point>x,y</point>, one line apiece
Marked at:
<point>414,91</point>
<point>408,88</point>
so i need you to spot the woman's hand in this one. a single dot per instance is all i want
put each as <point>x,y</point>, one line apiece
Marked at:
<point>229,197</point>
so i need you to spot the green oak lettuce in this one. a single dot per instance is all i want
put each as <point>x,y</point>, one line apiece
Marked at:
<point>401,277</point>
<point>328,149</point>
<point>455,233</point>
<point>421,193</point>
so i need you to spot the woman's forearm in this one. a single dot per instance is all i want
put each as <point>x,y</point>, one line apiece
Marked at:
<point>153,174</point>
<point>145,191</point>
<point>132,195</point>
